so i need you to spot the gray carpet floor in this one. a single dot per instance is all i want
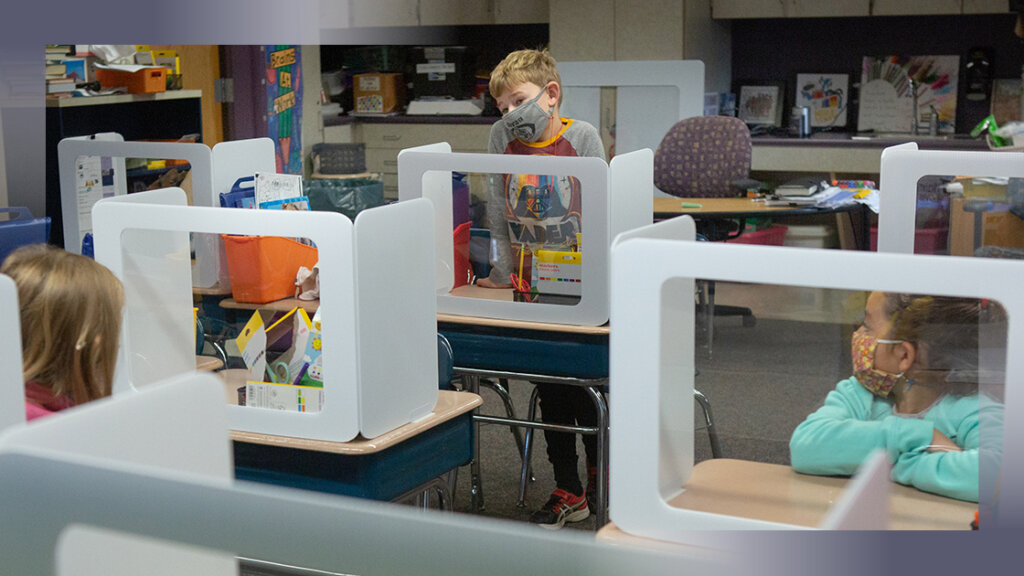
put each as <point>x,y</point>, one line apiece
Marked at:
<point>761,382</point>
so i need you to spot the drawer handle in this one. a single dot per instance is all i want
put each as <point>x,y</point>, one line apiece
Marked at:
<point>392,137</point>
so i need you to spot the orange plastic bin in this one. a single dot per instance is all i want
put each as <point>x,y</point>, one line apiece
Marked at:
<point>262,268</point>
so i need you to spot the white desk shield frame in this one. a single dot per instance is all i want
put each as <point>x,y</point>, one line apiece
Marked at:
<point>213,172</point>
<point>231,160</point>
<point>12,386</point>
<point>46,495</point>
<point>359,340</point>
<point>652,355</point>
<point>903,165</point>
<point>70,149</point>
<point>651,96</point>
<point>426,172</point>
<point>139,432</point>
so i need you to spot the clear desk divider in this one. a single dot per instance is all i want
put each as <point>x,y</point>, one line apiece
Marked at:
<point>143,239</point>
<point>951,202</point>
<point>12,386</point>
<point>539,227</point>
<point>777,388</point>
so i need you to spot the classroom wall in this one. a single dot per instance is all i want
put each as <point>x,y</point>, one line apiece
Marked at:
<point>3,170</point>
<point>779,48</point>
<point>312,123</point>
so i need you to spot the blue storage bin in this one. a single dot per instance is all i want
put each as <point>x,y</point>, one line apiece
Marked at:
<point>242,194</point>
<point>22,230</point>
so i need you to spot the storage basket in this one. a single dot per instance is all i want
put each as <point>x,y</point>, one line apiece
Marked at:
<point>22,229</point>
<point>339,158</point>
<point>349,196</point>
<point>262,268</point>
<point>144,81</point>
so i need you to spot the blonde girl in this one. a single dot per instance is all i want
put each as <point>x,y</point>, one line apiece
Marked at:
<point>70,325</point>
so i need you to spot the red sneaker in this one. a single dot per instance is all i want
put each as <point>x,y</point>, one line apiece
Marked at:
<point>560,508</point>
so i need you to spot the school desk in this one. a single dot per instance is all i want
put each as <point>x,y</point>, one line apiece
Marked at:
<point>537,352</point>
<point>777,493</point>
<point>393,466</point>
<point>283,305</point>
<point>854,229</point>
<point>208,363</point>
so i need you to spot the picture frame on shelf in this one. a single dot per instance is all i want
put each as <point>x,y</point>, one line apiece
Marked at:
<point>761,104</point>
<point>826,95</point>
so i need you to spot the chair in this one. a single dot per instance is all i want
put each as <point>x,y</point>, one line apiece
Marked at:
<point>708,157</point>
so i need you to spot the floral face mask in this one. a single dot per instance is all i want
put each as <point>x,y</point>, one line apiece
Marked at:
<point>876,381</point>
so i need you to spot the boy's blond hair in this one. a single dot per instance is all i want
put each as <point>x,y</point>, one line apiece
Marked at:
<point>521,66</point>
<point>70,320</point>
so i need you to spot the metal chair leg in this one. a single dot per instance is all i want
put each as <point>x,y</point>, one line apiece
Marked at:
<point>709,423</point>
<point>501,389</point>
<point>525,471</point>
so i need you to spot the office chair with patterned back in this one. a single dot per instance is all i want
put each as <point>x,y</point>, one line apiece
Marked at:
<point>707,157</point>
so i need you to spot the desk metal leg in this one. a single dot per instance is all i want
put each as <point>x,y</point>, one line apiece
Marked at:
<point>528,449</point>
<point>472,382</point>
<point>602,454</point>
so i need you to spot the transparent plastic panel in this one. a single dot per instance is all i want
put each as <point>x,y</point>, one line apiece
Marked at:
<point>517,237</point>
<point>820,378</point>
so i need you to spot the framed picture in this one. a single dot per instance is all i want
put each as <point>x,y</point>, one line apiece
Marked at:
<point>761,104</point>
<point>826,95</point>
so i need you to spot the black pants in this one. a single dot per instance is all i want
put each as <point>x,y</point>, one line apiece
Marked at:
<point>571,405</point>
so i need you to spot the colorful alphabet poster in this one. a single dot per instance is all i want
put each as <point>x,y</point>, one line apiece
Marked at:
<point>826,95</point>
<point>284,106</point>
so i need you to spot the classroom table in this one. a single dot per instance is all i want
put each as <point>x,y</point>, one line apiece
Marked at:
<point>283,305</point>
<point>776,493</point>
<point>533,351</point>
<point>393,466</point>
<point>742,208</point>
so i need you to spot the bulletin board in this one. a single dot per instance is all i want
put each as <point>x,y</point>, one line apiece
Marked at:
<point>284,106</point>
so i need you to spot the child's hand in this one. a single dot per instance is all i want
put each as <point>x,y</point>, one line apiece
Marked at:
<point>942,443</point>
<point>486,283</point>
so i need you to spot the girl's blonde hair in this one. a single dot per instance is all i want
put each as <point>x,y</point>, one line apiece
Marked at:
<point>70,320</point>
<point>522,66</point>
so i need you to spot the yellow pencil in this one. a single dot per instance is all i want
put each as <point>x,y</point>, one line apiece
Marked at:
<point>521,247</point>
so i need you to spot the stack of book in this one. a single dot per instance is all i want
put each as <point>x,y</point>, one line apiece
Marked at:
<point>57,80</point>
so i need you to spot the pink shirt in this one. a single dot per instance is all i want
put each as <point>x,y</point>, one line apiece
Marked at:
<point>40,401</point>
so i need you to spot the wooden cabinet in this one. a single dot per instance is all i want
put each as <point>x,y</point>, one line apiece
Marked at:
<point>824,9</point>
<point>915,7</point>
<point>366,13</point>
<point>986,6</point>
<point>520,11</point>
<point>455,13</point>
<point>384,141</point>
<point>748,9</point>
<point>727,9</point>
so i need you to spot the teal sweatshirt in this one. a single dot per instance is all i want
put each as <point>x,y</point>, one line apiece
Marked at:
<point>836,438</point>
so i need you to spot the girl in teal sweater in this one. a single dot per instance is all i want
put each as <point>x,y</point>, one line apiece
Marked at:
<point>914,393</point>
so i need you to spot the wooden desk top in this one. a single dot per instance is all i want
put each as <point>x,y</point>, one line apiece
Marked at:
<point>283,305</point>
<point>449,405</point>
<point>208,363</point>
<point>215,290</point>
<point>776,493</point>
<point>732,207</point>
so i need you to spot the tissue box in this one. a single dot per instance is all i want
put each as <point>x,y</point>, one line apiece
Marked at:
<point>378,93</point>
<point>558,272</point>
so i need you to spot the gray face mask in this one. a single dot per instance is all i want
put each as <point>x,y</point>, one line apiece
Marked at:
<point>528,121</point>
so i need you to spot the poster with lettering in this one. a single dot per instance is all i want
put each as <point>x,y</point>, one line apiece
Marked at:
<point>890,85</point>
<point>284,106</point>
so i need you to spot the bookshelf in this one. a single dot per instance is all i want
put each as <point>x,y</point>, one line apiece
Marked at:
<point>157,116</point>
